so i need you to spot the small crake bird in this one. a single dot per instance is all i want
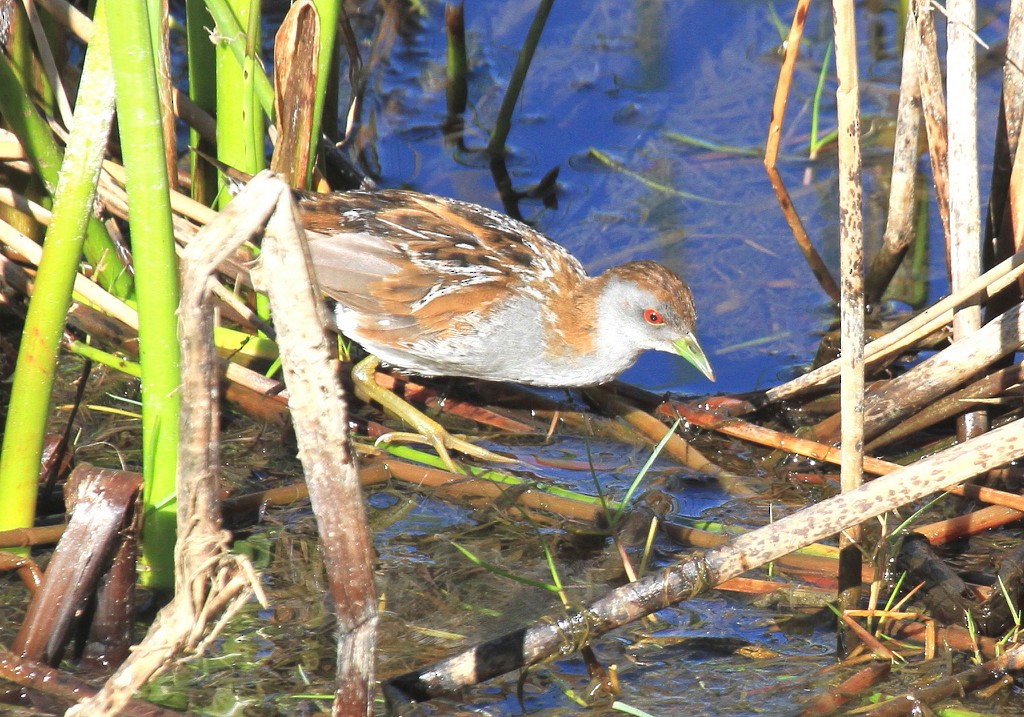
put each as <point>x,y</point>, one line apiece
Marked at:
<point>446,288</point>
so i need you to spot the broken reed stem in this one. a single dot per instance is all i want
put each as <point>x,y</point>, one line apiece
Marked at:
<point>899,226</point>
<point>320,416</point>
<point>771,155</point>
<point>988,387</point>
<point>943,372</point>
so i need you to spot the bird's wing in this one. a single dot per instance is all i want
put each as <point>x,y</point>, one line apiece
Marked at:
<point>414,262</point>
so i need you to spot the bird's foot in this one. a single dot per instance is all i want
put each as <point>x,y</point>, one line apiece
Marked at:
<point>444,442</point>
<point>425,429</point>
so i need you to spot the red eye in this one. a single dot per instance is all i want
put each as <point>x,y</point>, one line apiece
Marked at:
<point>653,317</point>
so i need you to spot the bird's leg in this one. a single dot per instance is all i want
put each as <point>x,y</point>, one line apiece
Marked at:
<point>426,429</point>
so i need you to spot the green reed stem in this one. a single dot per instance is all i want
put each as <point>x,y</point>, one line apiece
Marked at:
<point>327,73</point>
<point>157,286</point>
<point>240,127</point>
<point>35,370</point>
<point>229,34</point>
<point>105,358</point>
<point>202,90</point>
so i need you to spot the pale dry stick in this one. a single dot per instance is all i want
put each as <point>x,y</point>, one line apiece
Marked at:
<point>23,167</point>
<point>890,402</point>
<point>902,337</point>
<point>964,202</point>
<point>187,207</point>
<point>180,203</point>
<point>24,205</point>
<point>899,224</point>
<point>10,147</point>
<point>115,176</point>
<point>701,571</point>
<point>81,26</point>
<point>991,387</point>
<point>941,373</point>
<point>771,155</point>
<point>115,201</point>
<point>71,17</point>
<point>104,301</point>
<point>95,296</point>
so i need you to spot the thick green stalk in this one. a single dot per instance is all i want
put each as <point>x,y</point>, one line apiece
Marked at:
<point>230,34</point>
<point>156,272</point>
<point>44,324</point>
<point>327,71</point>
<point>240,128</point>
<point>254,128</point>
<point>202,89</point>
